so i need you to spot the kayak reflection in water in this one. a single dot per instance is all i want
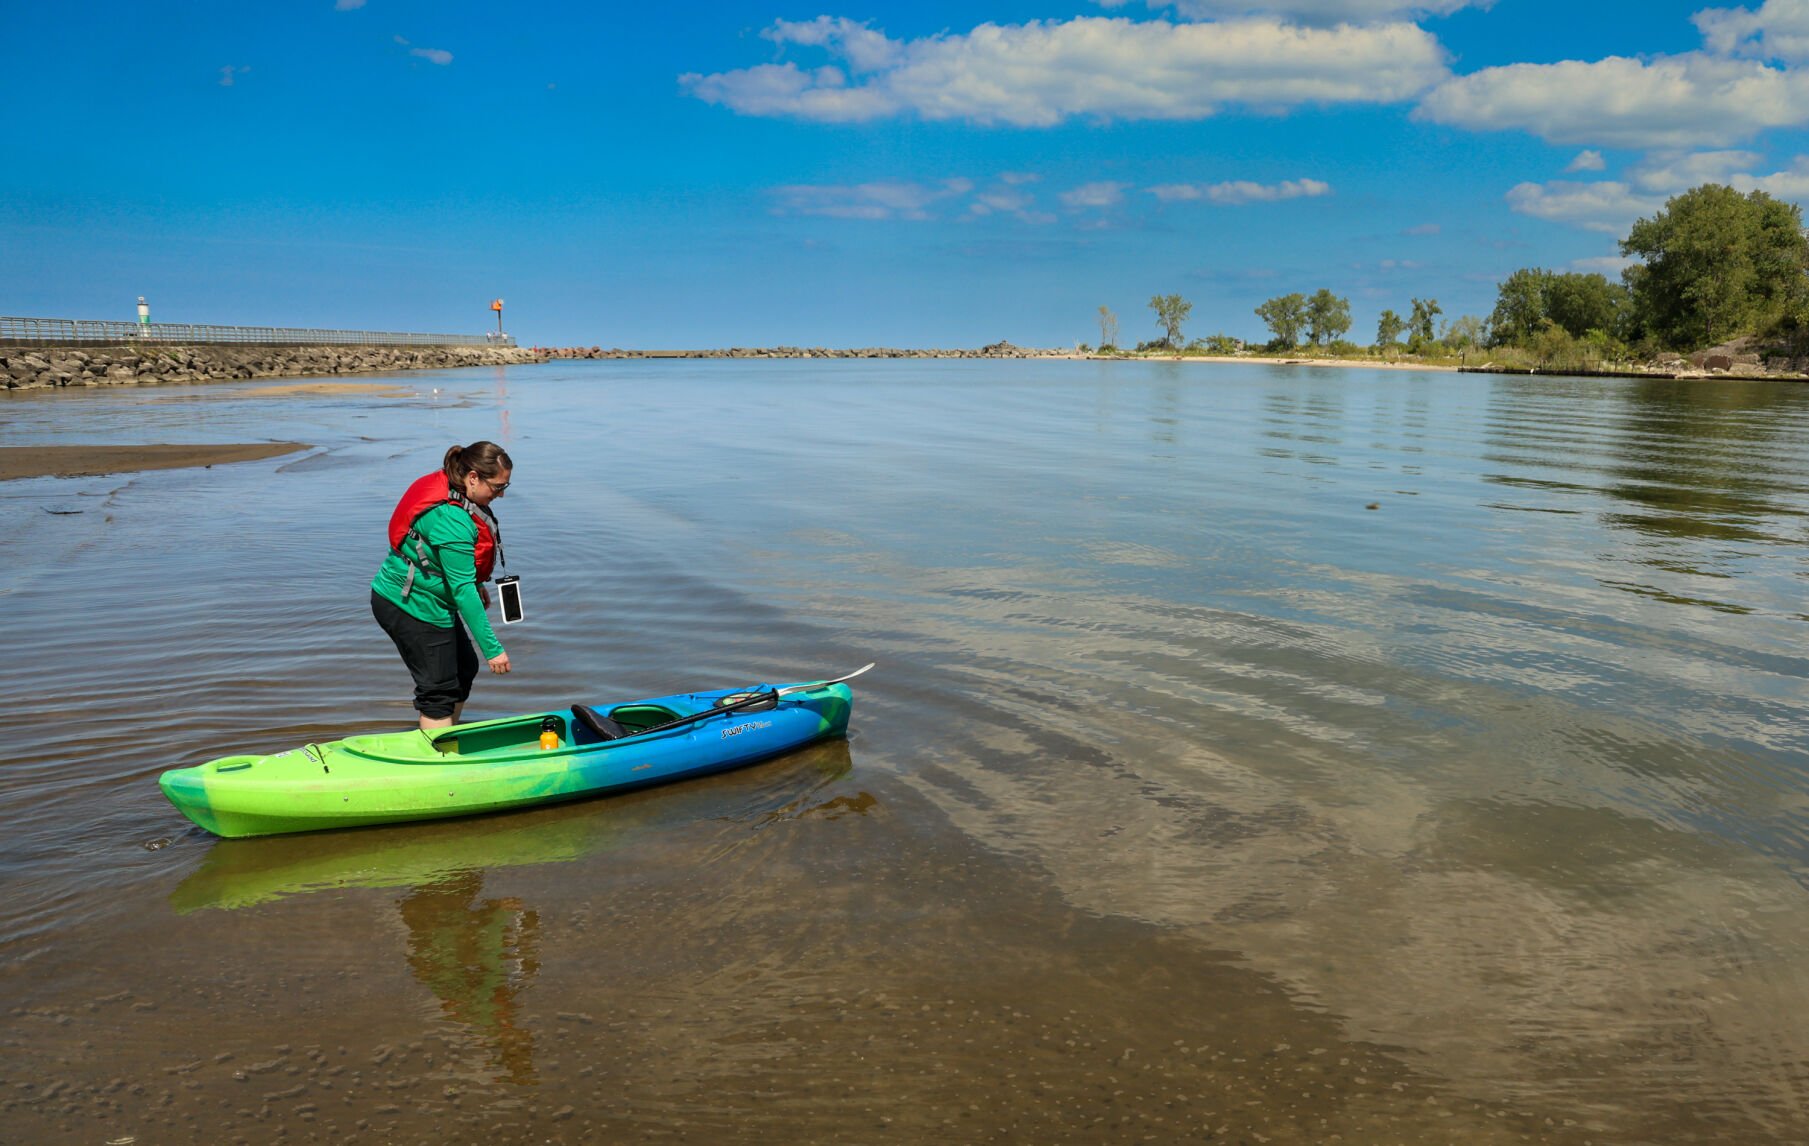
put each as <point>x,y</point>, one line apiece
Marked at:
<point>444,544</point>
<point>476,957</point>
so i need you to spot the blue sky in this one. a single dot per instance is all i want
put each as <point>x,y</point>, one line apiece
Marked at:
<point>921,174</point>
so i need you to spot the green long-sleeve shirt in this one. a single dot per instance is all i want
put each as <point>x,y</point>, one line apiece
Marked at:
<point>452,536</point>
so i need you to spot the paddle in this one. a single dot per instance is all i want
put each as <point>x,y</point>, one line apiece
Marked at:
<point>826,683</point>
<point>752,699</point>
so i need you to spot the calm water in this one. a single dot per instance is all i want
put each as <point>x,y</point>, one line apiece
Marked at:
<point>1253,751</point>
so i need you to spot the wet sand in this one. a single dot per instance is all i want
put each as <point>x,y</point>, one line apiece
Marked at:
<point>799,969</point>
<point>325,389</point>
<point>93,461</point>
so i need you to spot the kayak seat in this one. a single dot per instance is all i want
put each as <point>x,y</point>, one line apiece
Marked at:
<point>594,727</point>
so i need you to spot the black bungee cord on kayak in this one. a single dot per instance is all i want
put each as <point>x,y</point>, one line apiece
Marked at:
<point>757,699</point>
<point>608,729</point>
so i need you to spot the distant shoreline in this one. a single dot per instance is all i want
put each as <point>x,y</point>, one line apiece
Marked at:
<point>1292,360</point>
<point>32,368</point>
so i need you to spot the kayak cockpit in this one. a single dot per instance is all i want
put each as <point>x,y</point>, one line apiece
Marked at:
<point>506,737</point>
<point>592,727</point>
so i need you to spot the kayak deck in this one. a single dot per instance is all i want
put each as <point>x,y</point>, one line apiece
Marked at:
<point>493,765</point>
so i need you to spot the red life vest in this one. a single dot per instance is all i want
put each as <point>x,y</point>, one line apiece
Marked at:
<point>427,492</point>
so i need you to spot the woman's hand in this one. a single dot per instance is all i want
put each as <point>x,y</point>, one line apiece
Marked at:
<point>499,663</point>
<point>483,592</point>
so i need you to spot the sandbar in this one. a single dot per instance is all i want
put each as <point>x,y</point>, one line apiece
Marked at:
<point>293,389</point>
<point>92,461</point>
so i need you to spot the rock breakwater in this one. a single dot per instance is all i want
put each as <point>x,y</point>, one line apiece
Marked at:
<point>38,367</point>
<point>995,350</point>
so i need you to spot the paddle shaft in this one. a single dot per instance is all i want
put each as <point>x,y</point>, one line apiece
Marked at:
<point>749,701</point>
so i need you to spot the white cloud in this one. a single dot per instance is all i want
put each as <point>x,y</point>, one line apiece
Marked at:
<point>1241,191</point>
<point>1322,12</point>
<point>436,55</point>
<point>229,71</point>
<point>1009,200</point>
<point>1587,161</point>
<point>1101,194</point>
<point>347,5</point>
<point>1178,192</point>
<point>1776,30</point>
<point>1671,171</point>
<point>1683,101</point>
<point>1607,206</point>
<point>865,49</point>
<point>786,90</point>
<point>987,202</point>
<point>1044,72</point>
<point>885,199</point>
<point>1612,206</point>
<point>1609,265</point>
<point>1727,31</point>
<point>1792,184</point>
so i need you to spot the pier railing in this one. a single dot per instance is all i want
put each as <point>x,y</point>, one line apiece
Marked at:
<point>69,331</point>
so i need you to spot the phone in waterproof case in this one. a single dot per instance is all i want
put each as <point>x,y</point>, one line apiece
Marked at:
<point>508,593</point>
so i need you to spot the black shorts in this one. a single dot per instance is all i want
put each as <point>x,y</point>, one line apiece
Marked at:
<point>442,661</point>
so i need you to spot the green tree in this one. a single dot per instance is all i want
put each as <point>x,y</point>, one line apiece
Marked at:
<point>1285,316</point>
<point>1328,317</point>
<point>1519,307</point>
<point>1419,323</point>
<point>1601,346</point>
<point>1581,303</point>
<point>1171,311</point>
<point>1555,348</point>
<point>1462,332</point>
<point>1388,331</point>
<point>1717,264</point>
<point>1108,329</point>
<point>1531,297</point>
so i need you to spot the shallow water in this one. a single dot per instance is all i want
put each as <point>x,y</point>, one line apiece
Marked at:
<point>1253,751</point>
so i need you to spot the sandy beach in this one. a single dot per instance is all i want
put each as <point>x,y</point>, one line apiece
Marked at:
<point>91,461</point>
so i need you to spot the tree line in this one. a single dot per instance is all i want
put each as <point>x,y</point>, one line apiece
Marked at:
<point>1713,265</point>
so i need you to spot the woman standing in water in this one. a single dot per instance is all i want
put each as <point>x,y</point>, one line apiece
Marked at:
<point>444,543</point>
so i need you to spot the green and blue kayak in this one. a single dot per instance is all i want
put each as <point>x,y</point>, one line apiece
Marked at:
<point>514,762</point>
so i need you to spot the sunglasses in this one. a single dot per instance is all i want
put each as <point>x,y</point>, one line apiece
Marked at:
<point>495,486</point>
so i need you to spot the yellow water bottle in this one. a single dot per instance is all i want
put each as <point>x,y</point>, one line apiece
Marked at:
<point>549,734</point>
